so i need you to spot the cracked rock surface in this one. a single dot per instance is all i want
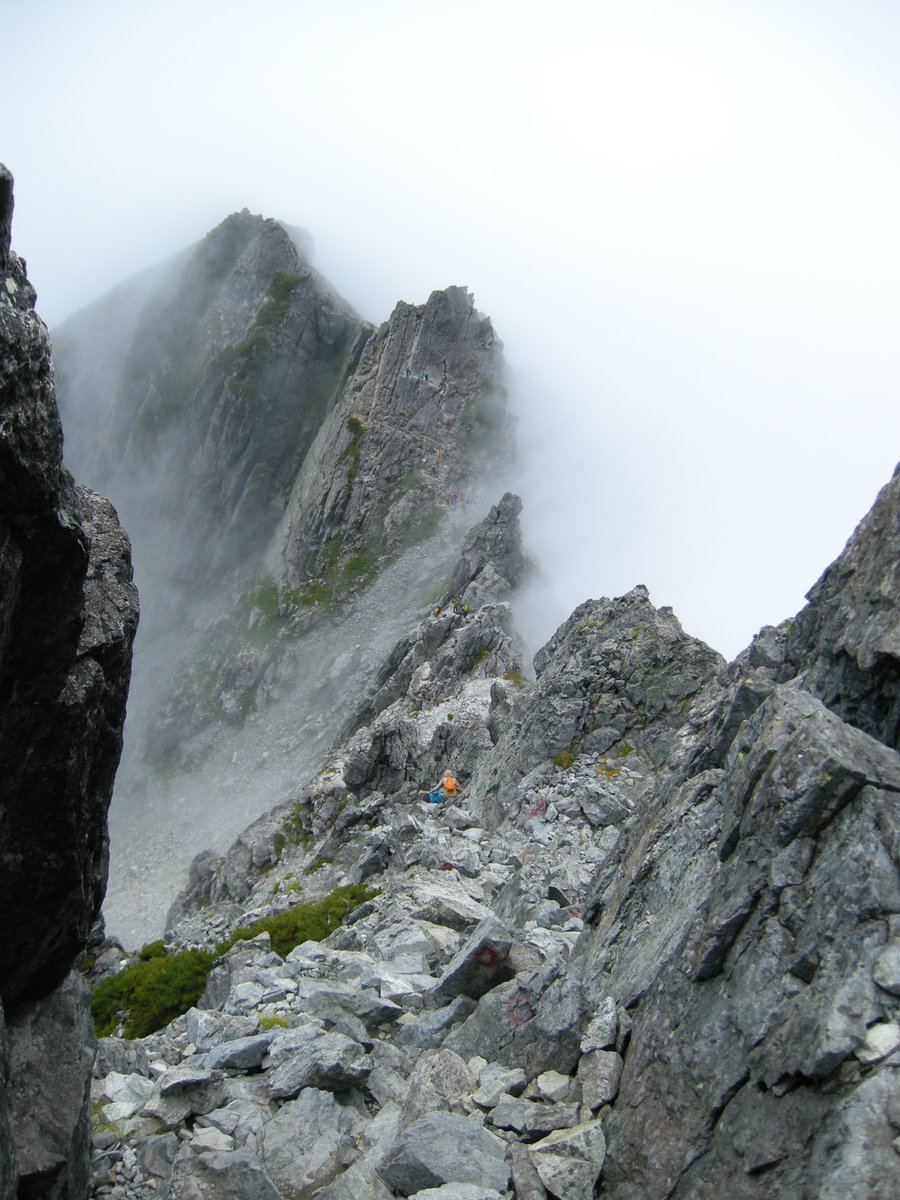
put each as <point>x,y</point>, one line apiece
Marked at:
<point>649,950</point>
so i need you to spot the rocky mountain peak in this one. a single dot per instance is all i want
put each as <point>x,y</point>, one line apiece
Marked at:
<point>492,561</point>
<point>846,641</point>
<point>418,423</point>
<point>6,215</point>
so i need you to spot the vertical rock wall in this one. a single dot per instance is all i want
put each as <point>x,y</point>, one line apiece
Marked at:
<point>69,614</point>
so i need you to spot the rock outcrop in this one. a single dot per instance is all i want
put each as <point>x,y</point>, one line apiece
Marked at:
<point>271,453</point>
<point>651,950</point>
<point>69,613</point>
<point>845,642</point>
<point>421,418</point>
<point>238,354</point>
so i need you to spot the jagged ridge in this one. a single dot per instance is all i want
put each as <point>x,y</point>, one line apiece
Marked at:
<point>665,963</point>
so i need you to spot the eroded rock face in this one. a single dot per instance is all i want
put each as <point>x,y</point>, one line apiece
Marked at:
<point>51,1044</point>
<point>846,642</point>
<point>618,675</point>
<point>69,613</point>
<point>237,355</point>
<point>653,945</point>
<point>423,410</point>
<point>69,617</point>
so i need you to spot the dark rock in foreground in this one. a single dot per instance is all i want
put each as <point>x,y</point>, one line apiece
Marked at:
<point>68,613</point>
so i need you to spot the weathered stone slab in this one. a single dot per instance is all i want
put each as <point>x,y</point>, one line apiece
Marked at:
<point>443,1148</point>
<point>599,1072</point>
<point>185,1091</point>
<point>234,1175</point>
<point>527,1116</point>
<point>570,1160</point>
<point>480,965</point>
<point>427,1030</point>
<point>206,1028</point>
<point>308,1142</point>
<point>322,1060</point>
<point>51,1043</point>
<point>440,1080</point>
<point>243,1054</point>
<point>521,1025</point>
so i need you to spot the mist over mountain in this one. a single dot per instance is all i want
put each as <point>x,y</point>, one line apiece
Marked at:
<point>618,923</point>
<point>294,480</point>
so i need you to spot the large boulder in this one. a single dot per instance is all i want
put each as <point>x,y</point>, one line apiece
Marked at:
<point>443,1148</point>
<point>308,1142</point>
<point>51,1048</point>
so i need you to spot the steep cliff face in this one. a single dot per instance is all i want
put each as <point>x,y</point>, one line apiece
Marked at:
<point>268,451</point>
<point>421,419</point>
<point>69,617</point>
<point>238,354</point>
<point>845,641</point>
<point>69,612</point>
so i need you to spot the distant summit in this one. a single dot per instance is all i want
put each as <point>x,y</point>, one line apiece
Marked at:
<point>276,460</point>
<point>268,450</point>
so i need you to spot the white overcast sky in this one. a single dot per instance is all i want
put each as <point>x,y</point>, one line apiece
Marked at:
<point>682,218</point>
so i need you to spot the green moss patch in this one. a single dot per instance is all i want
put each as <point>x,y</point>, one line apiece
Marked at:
<point>150,993</point>
<point>160,986</point>
<point>351,451</point>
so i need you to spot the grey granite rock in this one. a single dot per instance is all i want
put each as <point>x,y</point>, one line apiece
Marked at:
<point>319,1060</point>
<point>427,1030</point>
<point>569,1160</point>
<point>443,1148</point>
<point>69,615</point>
<point>617,663</point>
<point>185,1091</point>
<point>524,1025</point>
<point>440,1082</point>
<point>358,1182</point>
<point>480,965</point>
<point>119,1054</point>
<point>229,1175</point>
<point>242,1054</point>
<point>51,1048</point>
<point>391,421</point>
<point>526,1180</point>
<point>846,642</point>
<point>599,1072</point>
<point>156,1157</point>
<point>529,1117</point>
<point>206,1028</point>
<point>9,1171</point>
<point>308,1142</point>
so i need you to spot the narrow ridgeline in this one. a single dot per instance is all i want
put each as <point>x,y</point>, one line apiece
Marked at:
<point>652,949</point>
<point>271,453</point>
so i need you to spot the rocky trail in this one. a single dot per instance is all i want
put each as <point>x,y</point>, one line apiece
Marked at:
<point>652,946</point>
